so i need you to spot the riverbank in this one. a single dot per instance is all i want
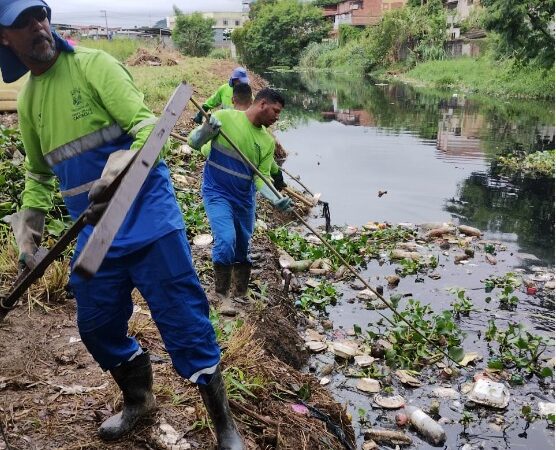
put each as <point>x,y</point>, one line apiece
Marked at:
<point>53,395</point>
<point>483,76</point>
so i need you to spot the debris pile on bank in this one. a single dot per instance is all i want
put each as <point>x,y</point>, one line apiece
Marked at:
<point>158,57</point>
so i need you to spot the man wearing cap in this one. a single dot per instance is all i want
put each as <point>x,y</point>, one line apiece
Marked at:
<point>81,118</point>
<point>223,95</point>
<point>229,186</point>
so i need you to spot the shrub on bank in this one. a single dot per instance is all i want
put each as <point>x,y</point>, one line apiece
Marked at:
<point>499,78</point>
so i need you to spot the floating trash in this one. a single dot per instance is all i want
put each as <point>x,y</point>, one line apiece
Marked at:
<point>406,378</point>
<point>316,346</point>
<point>389,402</point>
<point>490,393</point>
<point>368,385</point>
<point>343,350</point>
<point>427,427</point>
<point>364,360</point>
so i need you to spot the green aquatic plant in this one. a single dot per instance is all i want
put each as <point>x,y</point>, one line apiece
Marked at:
<point>507,299</point>
<point>193,211</point>
<point>417,345</point>
<point>463,304</point>
<point>318,297</point>
<point>356,250</point>
<point>536,165</point>
<point>518,349</point>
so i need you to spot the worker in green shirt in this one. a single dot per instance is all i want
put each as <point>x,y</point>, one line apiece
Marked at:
<point>223,95</point>
<point>229,187</point>
<point>242,99</point>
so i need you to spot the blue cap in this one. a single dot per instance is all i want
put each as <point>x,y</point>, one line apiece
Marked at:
<point>10,65</point>
<point>240,74</point>
<point>11,9</point>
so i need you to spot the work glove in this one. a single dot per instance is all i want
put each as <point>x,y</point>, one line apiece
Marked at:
<point>198,118</point>
<point>116,163</point>
<point>206,132</point>
<point>28,226</point>
<point>283,204</point>
<point>278,180</point>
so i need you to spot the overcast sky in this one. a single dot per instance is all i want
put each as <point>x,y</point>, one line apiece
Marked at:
<point>129,12</point>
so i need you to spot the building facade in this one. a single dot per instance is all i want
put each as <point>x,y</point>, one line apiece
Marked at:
<point>225,23</point>
<point>359,12</point>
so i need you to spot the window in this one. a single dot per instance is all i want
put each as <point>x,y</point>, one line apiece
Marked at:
<point>237,23</point>
<point>225,22</point>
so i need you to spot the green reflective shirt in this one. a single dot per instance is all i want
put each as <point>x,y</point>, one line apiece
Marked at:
<point>222,97</point>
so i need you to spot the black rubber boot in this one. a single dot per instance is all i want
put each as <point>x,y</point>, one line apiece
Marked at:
<point>216,401</point>
<point>222,279</point>
<point>222,283</point>
<point>135,379</point>
<point>240,277</point>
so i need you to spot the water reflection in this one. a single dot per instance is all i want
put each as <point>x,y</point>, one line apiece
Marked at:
<point>396,126</point>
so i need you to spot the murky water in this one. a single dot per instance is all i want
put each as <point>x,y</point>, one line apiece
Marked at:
<point>431,152</point>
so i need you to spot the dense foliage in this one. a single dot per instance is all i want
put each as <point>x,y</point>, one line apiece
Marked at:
<point>278,32</point>
<point>525,29</point>
<point>193,34</point>
<point>408,34</point>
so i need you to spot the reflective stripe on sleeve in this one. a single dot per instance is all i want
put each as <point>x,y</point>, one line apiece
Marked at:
<point>144,123</point>
<point>78,189</point>
<point>39,177</point>
<point>83,144</point>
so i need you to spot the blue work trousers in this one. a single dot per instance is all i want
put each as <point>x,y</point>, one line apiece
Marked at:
<point>163,273</point>
<point>232,226</point>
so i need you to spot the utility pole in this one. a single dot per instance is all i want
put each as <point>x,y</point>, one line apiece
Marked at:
<point>106,21</point>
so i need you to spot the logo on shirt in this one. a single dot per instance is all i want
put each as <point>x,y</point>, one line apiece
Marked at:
<point>80,108</point>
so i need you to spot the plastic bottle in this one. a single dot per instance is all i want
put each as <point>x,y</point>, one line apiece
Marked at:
<point>426,425</point>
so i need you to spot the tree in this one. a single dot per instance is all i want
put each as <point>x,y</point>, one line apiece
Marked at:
<point>278,32</point>
<point>525,29</point>
<point>193,34</point>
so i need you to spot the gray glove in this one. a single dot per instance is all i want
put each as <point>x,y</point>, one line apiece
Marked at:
<point>116,163</point>
<point>283,204</point>
<point>28,226</point>
<point>206,132</point>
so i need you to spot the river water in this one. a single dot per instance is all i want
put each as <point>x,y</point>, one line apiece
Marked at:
<point>430,156</point>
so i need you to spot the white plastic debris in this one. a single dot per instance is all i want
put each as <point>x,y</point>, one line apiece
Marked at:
<point>368,385</point>
<point>406,378</point>
<point>344,350</point>
<point>366,294</point>
<point>469,231</point>
<point>444,392</point>
<point>431,430</point>
<point>336,236</point>
<point>546,408</point>
<point>389,402</point>
<point>167,438</point>
<point>490,393</point>
<point>364,360</point>
<point>202,240</point>
<point>316,346</point>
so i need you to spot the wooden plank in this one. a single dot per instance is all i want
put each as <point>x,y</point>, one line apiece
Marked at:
<point>106,229</point>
